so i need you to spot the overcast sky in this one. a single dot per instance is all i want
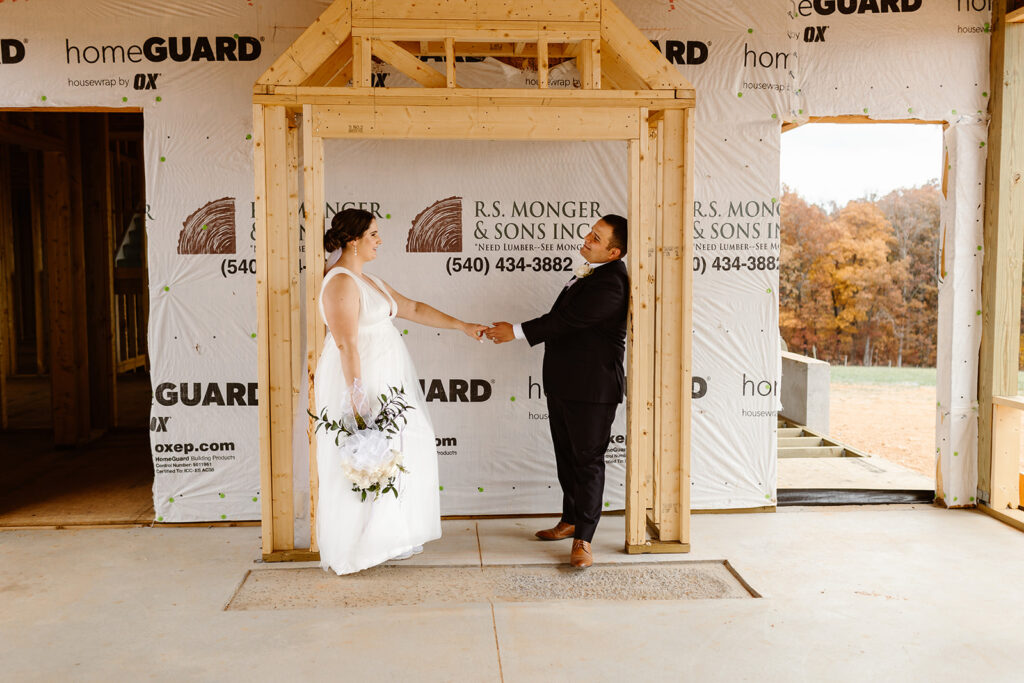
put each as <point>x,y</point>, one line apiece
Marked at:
<point>825,162</point>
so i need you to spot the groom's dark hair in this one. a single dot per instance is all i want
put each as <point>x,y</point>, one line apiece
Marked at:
<point>620,232</point>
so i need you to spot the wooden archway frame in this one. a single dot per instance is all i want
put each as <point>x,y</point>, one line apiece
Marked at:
<point>629,92</point>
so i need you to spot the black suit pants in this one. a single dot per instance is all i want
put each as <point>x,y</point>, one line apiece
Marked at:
<point>580,432</point>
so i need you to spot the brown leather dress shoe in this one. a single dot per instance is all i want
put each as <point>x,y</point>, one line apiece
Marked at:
<point>557,532</point>
<point>581,558</point>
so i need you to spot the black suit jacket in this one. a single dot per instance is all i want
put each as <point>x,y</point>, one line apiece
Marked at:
<point>584,337</point>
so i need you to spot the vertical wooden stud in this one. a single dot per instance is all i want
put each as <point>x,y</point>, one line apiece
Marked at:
<point>672,330</point>
<point>6,279</point>
<point>78,299</point>
<point>99,263</point>
<point>542,63</point>
<point>1003,231</point>
<point>263,333</point>
<point>65,337</point>
<point>313,168</point>
<point>686,301</point>
<point>659,318</point>
<point>636,384</point>
<point>362,62</point>
<point>35,171</point>
<point>280,324</point>
<point>449,61</point>
<point>295,300</point>
<point>589,63</point>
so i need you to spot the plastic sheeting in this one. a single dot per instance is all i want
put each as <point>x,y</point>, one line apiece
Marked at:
<point>753,64</point>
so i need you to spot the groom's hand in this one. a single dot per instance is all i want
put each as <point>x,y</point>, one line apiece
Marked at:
<point>500,333</point>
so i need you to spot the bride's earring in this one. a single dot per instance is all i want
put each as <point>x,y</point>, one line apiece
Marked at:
<point>357,250</point>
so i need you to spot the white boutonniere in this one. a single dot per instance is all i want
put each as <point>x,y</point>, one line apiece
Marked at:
<point>583,270</point>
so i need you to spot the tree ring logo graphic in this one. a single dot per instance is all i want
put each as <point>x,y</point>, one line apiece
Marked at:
<point>438,228</point>
<point>210,229</point>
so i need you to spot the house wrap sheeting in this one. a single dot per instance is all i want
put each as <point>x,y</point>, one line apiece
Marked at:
<point>488,231</point>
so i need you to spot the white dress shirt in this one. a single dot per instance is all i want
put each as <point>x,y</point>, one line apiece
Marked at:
<point>517,329</point>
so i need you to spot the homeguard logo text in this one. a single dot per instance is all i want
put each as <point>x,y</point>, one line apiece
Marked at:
<point>175,48</point>
<point>457,390</point>
<point>806,8</point>
<point>11,51</point>
<point>690,52</point>
<point>195,394</point>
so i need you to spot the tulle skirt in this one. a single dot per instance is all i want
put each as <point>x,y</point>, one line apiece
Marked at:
<point>352,534</point>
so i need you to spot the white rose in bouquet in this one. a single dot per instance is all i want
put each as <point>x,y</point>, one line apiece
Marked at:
<point>370,462</point>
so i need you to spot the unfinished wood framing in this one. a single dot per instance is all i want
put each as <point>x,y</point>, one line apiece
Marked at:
<point>325,77</point>
<point>1004,244</point>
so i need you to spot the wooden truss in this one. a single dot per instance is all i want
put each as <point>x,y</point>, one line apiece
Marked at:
<point>322,87</point>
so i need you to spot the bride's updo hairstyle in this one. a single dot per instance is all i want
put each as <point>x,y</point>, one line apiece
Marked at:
<point>347,226</point>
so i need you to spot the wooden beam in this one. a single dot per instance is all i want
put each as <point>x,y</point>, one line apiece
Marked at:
<point>99,267</point>
<point>7,340</point>
<point>589,63</point>
<point>653,496</point>
<point>474,10</point>
<point>408,64</point>
<point>65,333</point>
<point>311,49</point>
<point>673,331</point>
<point>492,123</point>
<point>435,48</point>
<point>520,97</point>
<point>36,191</point>
<point>295,302</point>
<point>313,183</point>
<point>627,40</point>
<point>686,178</point>
<point>449,62</point>
<point>1004,235</point>
<point>279,327</point>
<point>616,69</point>
<point>263,333</point>
<point>542,63</point>
<point>479,31</point>
<point>1006,447</point>
<point>12,134</point>
<point>79,281</point>
<point>1015,16</point>
<point>362,63</point>
<point>335,69</point>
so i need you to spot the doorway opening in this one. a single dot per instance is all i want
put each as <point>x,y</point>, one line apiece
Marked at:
<point>859,274</point>
<point>74,368</point>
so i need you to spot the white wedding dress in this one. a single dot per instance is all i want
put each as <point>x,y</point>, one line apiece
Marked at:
<point>352,534</point>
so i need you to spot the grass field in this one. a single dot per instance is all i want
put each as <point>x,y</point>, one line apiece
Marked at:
<point>915,377</point>
<point>911,377</point>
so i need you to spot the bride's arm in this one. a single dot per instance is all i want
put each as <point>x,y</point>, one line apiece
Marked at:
<point>341,308</point>
<point>425,314</point>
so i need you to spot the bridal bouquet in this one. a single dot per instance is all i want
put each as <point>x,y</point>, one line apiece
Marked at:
<point>368,457</point>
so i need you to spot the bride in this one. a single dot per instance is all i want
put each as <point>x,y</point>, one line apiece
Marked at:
<point>364,356</point>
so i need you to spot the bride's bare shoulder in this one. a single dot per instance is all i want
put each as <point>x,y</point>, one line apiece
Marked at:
<point>337,285</point>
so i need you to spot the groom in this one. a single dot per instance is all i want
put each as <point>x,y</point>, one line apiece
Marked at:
<point>584,337</point>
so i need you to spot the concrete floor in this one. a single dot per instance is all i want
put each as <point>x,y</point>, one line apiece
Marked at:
<point>908,593</point>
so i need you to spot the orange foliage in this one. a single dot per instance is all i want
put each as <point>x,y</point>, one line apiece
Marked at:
<point>859,285</point>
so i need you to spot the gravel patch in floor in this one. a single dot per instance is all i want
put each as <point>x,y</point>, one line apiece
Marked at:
<point>389,586</point>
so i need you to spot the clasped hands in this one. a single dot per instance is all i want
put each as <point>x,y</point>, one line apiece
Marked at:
<point>499,332</point>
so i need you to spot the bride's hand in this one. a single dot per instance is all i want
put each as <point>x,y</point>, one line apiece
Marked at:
<point>474,330</point>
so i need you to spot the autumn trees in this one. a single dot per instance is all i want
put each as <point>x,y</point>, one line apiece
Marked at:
<point>859,284</point>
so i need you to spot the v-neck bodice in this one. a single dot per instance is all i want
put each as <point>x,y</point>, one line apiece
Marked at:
<point>376,304</point>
